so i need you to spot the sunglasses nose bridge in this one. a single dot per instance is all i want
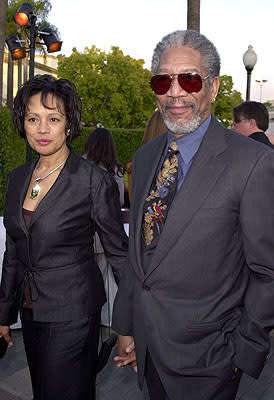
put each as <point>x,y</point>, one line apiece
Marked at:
<point>176,89</point>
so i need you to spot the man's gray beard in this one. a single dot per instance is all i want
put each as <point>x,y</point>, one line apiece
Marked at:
<point>186,127</point>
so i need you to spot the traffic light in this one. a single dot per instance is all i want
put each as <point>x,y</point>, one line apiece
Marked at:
<point>15,47</point>
<point>24,15</point>
<point>50,40</point>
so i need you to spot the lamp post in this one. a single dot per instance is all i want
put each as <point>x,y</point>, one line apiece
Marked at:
<point>261,86</point>
<point>26,18</point>
<point>249,59</point>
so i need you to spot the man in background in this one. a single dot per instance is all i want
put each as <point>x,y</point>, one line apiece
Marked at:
<point>251,119</point>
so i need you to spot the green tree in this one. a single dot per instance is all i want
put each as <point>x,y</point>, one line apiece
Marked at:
<point>227,98</point>
<point>267,104</point>
<point>114,88</point>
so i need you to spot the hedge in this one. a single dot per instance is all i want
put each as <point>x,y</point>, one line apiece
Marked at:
<point>127,141</point>
<point>12,151</point>
<point>13,147</point>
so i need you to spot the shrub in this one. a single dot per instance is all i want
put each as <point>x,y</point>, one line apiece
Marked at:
<point>12,151</point>
<point>127,141</point>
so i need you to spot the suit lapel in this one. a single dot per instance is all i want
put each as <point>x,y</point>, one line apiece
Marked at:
<point>25,179</point>
<point>206,168</point>
<point>56,190</point>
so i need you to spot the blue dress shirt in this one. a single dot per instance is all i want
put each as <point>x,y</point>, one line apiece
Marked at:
<point>188,146</point>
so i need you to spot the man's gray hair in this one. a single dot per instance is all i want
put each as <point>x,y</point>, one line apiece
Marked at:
<point>195,40</point>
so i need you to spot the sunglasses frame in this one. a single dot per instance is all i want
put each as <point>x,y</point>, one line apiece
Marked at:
<point>172,77</point>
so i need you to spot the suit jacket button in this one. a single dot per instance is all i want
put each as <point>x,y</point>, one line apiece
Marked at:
<point>146,287</point>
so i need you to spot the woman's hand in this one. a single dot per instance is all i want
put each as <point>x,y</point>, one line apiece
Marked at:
<point>4,332</point>
<point>126,352</point>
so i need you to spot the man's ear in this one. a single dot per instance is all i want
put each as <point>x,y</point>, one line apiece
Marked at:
<point>253,124</point>
<point>214,88</point>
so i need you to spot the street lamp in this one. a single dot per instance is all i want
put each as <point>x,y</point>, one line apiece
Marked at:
<point>25,18</point>
<point>261,86</point>
<point>249,59</point>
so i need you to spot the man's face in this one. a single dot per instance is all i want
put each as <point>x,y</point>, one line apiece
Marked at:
<point>184,112</point>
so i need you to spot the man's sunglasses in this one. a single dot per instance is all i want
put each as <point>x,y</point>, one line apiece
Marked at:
<point>190,82</point>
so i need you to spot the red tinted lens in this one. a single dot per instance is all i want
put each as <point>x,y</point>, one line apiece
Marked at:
<point>160,83</point>
<point>191,83</point>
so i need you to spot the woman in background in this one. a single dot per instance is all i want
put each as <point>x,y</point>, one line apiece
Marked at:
<point>100,149</point>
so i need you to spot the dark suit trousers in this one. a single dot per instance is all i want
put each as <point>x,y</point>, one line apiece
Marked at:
<point>196,388</point>
<point>62,357</point>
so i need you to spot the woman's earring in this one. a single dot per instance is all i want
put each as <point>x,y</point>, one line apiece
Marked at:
<point>68,133</point>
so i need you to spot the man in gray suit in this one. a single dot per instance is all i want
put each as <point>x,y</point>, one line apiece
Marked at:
<point>198,295</point>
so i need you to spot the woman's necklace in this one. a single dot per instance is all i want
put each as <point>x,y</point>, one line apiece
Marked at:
<point>36,188</point>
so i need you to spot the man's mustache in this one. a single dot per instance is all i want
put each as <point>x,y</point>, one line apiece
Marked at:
<point>179,101</point>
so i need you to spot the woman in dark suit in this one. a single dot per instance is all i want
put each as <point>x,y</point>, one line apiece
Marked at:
<point>54,205</point>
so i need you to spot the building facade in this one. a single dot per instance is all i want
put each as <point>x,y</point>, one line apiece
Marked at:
<point>18,70</point>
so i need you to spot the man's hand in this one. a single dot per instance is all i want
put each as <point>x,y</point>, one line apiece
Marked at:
<point>4,332</point>
<point>126,352</point>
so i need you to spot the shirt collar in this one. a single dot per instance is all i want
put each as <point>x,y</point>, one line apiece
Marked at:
<point>189,143</point>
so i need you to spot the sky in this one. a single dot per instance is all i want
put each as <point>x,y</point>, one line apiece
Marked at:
<point>136,28</point>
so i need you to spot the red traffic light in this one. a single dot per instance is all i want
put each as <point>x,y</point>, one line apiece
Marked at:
<point>21,19</point>
<point>24,15</point>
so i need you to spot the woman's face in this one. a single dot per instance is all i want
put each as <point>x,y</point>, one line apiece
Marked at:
<point>45,127</point>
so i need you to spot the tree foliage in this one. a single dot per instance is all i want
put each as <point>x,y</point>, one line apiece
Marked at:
<point>227,98</point>
<point>114,88</point>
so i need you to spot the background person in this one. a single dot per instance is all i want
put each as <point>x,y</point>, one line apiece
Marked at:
<point>154,128</point>
<point>251,119</point>
<point>54,205</point>
<point>199,291</point>
<point>100,149</point>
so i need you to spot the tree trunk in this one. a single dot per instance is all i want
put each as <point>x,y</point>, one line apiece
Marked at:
<point>193,15</point>
<point>3,14</point>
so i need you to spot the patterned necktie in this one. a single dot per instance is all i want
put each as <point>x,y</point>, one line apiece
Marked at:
<point>161,196</point>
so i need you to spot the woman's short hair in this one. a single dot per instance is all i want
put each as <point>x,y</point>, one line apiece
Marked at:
<point>195,40</point>
<point>100,148</point>
<point>66,97</point>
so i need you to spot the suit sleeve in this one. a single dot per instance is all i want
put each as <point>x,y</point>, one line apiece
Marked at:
<point>109,226</point>
<point>257,225</point>
<point>11,281</point>
<point>122,318</point>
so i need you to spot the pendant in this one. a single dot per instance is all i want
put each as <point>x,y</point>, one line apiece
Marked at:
<point>35,191</point>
